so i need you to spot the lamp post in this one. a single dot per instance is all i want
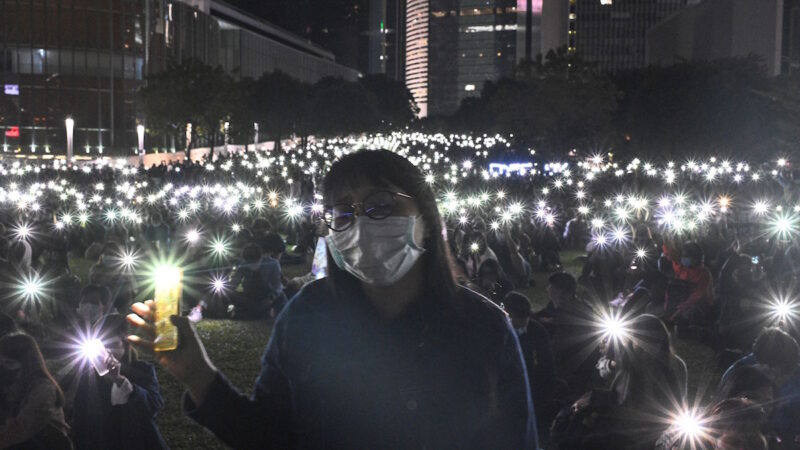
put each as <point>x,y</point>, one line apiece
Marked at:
<point>70,124</point>
<point>140,134</point>
<point>255,127</point>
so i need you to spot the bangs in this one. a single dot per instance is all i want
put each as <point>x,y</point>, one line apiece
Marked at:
<point>379,168</point>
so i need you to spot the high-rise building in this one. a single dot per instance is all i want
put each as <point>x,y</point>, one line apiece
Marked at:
<point>791,36</point>
<point>417,55</point>
<point>714,29</point>
<point>613,33</point>
<point>85,59</point>
<point>462,44</point>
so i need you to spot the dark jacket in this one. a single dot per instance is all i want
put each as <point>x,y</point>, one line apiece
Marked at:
<point>538,356</point>
<point>335,375</point>
<point>96,425</point>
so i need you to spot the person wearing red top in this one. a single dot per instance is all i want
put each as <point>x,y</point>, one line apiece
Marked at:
<point>690,268</point>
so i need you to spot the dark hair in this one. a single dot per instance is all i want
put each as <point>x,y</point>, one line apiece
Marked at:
<point>648,363</point>
<point>115,325</point>
<point>777,349</point>
<point>737,414</point>
<point>564,282</point>
<point>517,304</point>
<point>385,168</point>
<point>273,243</point>
<point>744,380</point>
<point>23,348</point>
<point>251,253</point>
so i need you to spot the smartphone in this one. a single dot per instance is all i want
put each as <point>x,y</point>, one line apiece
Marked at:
<point>99,360</point>
<point>169,287</point>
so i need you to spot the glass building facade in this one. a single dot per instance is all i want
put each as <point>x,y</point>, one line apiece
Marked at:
<point>467,43</point>
<point>85,59</point>
<point>613,33</point>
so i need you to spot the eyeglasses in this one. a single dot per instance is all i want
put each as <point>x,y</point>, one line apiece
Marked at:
<point>378,205</point>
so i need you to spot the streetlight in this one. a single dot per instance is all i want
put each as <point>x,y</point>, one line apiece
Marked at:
<point>140,134</point>
<point>70,124</point>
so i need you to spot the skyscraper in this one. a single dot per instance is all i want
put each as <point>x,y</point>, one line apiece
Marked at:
<point>791,36</point>
<point>613,32</point>
<point>417,52</point>
<point>714,29</point>
<point>454,46</point>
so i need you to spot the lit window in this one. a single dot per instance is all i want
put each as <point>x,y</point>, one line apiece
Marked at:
<point>469,87</point>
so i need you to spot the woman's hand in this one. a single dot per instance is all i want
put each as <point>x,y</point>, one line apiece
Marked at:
<point>189,363</point>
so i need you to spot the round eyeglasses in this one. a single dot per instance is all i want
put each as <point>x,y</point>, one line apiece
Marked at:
<point>377,205</point>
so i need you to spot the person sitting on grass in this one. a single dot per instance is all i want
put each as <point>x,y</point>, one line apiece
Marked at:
<point>117,410</point>
<point>31,402</point>
<point>780,354</point>
<point>260,280</point>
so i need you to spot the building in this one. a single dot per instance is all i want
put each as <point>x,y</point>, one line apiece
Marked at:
<point>85,59</point>
<point>791,36</point>
<point>417,54</point>
<point>715,29</point>
<point>453,47</point>
<point>613,33</point>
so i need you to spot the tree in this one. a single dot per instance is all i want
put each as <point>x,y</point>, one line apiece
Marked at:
<point>395,104</point>
<point>188,92</point>
<point>280,104</point>
<point>342,107</point>
<point>723,107</point>
<point>558,103</point>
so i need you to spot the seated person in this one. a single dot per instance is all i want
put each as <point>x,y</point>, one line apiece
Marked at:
<point>117,410</point>
<point>95,303</point>
<point>689,267</point>
<point>493,281</point>
<point>260,280</point>
<point>537,354</point>
<point>780,354</point>
<point>109,272</point>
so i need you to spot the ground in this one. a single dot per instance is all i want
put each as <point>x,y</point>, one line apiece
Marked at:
<point>236,349</point>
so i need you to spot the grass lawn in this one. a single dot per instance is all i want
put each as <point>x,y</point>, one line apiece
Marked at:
<point>236,349</point>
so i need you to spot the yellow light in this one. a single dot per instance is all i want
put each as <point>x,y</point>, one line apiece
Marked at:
<point>168,284</point>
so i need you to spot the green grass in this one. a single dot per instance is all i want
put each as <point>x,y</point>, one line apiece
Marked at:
<point>236,348</point>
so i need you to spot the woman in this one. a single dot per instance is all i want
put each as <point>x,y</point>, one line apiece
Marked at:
<point>647,378</point>
<point>387,352</point>
<point>649,373</point>
<point>117,410</point>
<point>31,414</point>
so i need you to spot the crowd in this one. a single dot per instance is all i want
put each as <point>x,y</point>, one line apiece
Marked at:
<point>705,251</point>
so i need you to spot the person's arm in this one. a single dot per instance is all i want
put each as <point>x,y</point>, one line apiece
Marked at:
<point>34,415</point>
<point>240,421</point>
<point>257,422</point>
<point>141,391</point>
<point>703,290</point>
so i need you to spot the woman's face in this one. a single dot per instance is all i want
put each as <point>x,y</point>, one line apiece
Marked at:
<point>116,347</point>
<point>403,206</point>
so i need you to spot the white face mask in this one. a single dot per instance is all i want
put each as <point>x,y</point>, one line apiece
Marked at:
<point>378,252</point>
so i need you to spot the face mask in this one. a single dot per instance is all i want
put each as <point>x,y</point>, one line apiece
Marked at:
<point>686,262</point>
<point>377,252</point>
